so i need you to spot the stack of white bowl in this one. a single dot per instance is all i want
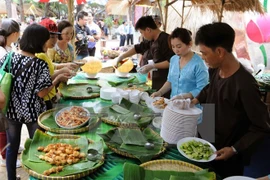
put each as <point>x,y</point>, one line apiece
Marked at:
<point>179,123</point>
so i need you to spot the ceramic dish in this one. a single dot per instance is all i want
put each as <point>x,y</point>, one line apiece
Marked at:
<point>188,139</point>
<point>85,112</point>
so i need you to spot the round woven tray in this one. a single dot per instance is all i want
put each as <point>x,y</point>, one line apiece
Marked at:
<point>171,165</point>
<point>122,153</point>
<point>48,113</point>
<point>93,96</point>
<point>69,177</point>
<point>119,124</point>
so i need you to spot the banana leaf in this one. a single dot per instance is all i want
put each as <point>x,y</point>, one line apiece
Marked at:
<point>125,113</point>
<point>80,78</point>
<point>50,120</point>
<point>31,161</point>
<point>78,91</point>
<point>134,170</point>
<point>132,136</point>
<point>115,139</point>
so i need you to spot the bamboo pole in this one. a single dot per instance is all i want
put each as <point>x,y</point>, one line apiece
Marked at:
<point>70,4</point>
<point>220,14</point>
<point>183,13</point>
<point>161,15</point>
<point>166,16</point>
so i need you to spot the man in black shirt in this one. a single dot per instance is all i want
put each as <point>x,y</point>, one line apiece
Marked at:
<point>241,118</point>
<point>157,45</point>
<point>83,35</point>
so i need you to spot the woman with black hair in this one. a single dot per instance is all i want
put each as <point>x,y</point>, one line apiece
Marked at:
<point>12,29</point>
<point>9,34</point>
<point>31,83</point>
<point>63,52</point>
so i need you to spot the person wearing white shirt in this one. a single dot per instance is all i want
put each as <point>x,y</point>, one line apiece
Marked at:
<point>96,32</point>
<point>122,31</point>
<point>130,31</point>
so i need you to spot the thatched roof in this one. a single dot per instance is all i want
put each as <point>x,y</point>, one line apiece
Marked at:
<point>230,5</point>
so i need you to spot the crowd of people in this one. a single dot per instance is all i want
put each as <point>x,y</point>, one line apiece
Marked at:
<point>44,58</point>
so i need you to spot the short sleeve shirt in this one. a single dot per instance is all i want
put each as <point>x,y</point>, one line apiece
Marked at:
<point>25,105</point>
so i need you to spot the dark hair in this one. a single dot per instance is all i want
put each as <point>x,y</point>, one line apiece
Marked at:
<point>62,25</point>
<point>3,38</point>
<point>181,33</point>
<point>81,14</point>
<point>215,35</point>
<point>10,26</point>
<point>34,38</point>
<point>145,22</point>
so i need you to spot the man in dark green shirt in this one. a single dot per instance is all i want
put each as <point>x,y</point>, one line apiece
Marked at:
<point>241,118</point>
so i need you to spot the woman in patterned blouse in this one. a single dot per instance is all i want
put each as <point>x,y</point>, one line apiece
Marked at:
<point>31,82</point>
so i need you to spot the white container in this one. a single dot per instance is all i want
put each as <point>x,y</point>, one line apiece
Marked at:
<point>106,92</point>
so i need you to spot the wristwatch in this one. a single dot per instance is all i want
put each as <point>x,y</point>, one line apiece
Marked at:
<point>234,150</point>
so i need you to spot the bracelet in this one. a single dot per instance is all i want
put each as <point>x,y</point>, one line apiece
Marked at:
<point>234,150</point>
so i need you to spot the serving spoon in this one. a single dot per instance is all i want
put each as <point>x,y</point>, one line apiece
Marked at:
<point>132,84</point>
<point>137,116</point>
<point>93,154</point>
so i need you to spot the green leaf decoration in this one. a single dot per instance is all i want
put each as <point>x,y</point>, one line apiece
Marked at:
<point>124,113</point>
<point>136,148</point>
<point>78,91</point>
<point>132,136</point>
<point>120,109</point>
<point>30,155</point>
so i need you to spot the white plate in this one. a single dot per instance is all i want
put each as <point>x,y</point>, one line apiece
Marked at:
<point>239,178</point>
<point>74,127</point>
<point>181,141</point>
<point>156,108</point>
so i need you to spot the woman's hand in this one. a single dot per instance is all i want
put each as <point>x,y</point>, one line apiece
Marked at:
<point>72,66</point>
<point>156,94</point>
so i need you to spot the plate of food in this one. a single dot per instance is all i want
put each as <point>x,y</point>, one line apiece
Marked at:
<point>159,104</point>
<point>196,149</point>
<point>72,117</point>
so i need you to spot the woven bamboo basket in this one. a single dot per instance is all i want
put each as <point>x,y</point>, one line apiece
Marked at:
<point>69,177</point>
<point>48,113</point>
<point>119,124</point>
<point>171,165</point>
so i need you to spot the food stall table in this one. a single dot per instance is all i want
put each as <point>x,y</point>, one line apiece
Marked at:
<point>113,165</point>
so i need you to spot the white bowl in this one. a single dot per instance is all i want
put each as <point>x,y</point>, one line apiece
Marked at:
<point>157,122</point>
<point>88,75</point>
<point>120,74</point>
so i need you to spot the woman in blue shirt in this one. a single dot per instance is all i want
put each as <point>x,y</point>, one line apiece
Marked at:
<point>187,74</point>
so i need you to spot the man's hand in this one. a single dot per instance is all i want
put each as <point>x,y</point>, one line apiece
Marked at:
<point>225,153</point>
<point>147,68</point>
<point>91,39</point>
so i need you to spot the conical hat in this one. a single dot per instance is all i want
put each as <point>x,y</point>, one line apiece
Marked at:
<point>126,66</point>
<point>92,66</point>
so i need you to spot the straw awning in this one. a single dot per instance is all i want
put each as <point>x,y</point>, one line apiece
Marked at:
<point>216,6</point>
<point>117,7</point>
